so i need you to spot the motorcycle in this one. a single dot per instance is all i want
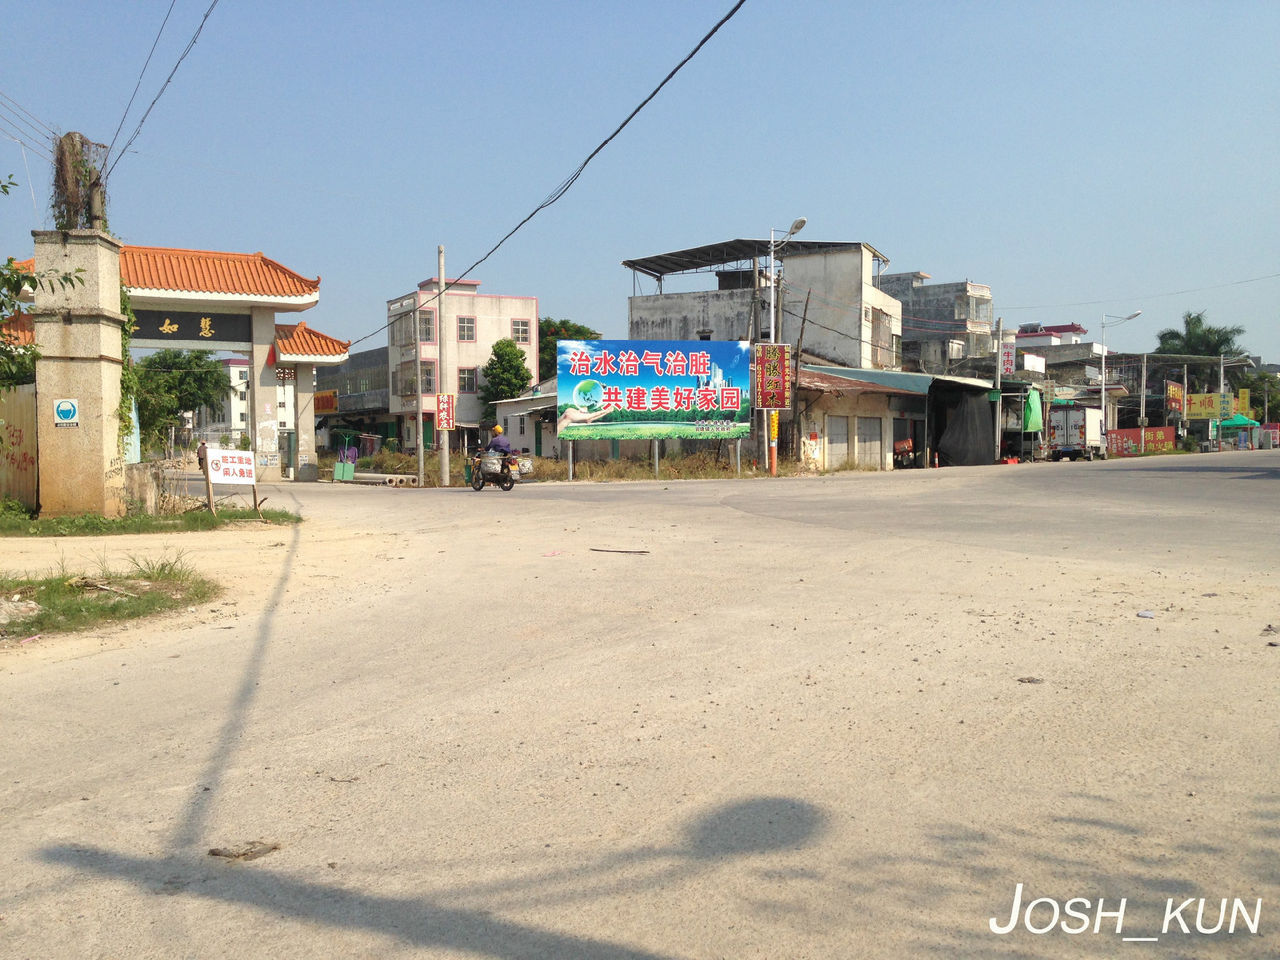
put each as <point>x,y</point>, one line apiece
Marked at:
<point>505,470</point>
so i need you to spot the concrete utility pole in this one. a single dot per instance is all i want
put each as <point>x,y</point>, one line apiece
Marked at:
<point>1142,409</point>
<point>440,339</point>
<point>999,407</point>
<point>417,388</point>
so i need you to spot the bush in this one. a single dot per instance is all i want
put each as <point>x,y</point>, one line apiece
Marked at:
<point>244,443</point>
<point>365,463</point>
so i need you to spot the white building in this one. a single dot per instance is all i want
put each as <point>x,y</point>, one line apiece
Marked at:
<point>225,425</point>
<point>470,323</point>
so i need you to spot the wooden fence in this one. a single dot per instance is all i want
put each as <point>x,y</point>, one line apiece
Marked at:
<point>19,477</point>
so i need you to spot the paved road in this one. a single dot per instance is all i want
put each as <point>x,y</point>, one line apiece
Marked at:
<point>788,721</point>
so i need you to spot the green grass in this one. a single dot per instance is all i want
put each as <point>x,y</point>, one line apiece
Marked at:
<point>17,523</point>
<point>68,602</point>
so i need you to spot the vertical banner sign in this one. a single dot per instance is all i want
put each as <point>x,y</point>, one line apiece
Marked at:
<point>1008,355</point>
<point>771,375</point>
<point>653,389</point>
<point>444,411</point>
<point>1173,396</point>
<point>1225,402</point>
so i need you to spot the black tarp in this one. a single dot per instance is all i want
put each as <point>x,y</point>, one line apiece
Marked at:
<point>968,434</point>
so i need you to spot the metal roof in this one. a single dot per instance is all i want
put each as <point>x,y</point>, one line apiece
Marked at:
<point>728,252</point>
<point>913,383</point>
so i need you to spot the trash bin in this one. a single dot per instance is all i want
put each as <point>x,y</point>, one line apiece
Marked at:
<point>466,471</point>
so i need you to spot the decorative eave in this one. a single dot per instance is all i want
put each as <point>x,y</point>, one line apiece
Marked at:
<point>297,343</point>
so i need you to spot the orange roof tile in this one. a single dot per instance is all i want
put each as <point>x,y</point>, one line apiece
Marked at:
<point>19,328</point>
<point>207,271</point>
<point>296,339</point>
<point>26,266</point>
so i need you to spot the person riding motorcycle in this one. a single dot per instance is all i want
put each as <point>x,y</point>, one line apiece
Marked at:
<point>499,443</point>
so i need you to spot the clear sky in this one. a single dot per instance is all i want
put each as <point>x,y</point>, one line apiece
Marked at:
<point>1079,158</point>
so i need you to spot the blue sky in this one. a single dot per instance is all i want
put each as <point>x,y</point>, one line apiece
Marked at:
<point>1080,158</point>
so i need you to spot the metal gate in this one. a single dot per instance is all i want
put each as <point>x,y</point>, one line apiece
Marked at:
<point>867,451</point>
<point>19,476</point>
<point>837,442</point>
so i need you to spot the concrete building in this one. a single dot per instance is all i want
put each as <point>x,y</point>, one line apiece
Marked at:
<point>361,391</point>
<point>829,303</point>
<point>457,339</point>
<point>941,322</point>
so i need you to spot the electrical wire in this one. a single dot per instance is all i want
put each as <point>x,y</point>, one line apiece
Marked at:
<point>52,135</point>
<point>138,85</point>
<point>569,181</point>
<point>186,50</point>
<point>27,146</point>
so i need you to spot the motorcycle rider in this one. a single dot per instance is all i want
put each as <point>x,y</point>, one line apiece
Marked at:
<point>499,443</point>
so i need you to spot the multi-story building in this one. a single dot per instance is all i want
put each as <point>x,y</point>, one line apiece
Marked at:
<point>941,322</point>
<point>457,337</point>
<point>830,303</point>
<point>227,423</point>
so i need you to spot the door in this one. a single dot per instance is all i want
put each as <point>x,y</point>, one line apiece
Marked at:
<point>837,442</point>
<point>867,449</point>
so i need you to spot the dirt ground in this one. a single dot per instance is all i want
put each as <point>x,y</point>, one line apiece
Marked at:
<point>832,717</point>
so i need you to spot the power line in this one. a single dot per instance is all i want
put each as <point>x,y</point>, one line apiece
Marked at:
<point>569,181</point>
<point>1149,296</point>
<point>190,45</point>
<point>28,146</point>
<point>48,130</point>
<point>138,85</point>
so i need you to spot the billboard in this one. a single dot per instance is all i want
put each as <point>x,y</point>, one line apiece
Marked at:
<point>1210,406</point>
<point>653,389</point>
<point>325,401</point>
<point>1173,395</point>
<point>1129,443</point>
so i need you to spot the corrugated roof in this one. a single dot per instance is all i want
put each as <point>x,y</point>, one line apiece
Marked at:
<point>297,339</point>
<point>733,251</point>
<point>209,271</point>
<point>830,383</point>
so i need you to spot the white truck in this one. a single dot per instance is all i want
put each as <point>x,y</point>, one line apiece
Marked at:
<point>1076,432</point>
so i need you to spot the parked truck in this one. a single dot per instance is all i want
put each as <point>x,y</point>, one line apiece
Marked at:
<point>1076,432</point>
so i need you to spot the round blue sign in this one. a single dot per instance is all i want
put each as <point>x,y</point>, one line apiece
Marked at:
<point>65,410</point>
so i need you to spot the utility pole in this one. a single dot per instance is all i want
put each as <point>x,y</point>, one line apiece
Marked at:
<point>440,339</point>
<point>999,407</point>
<point>1142,409</point>
<point>417,382</point>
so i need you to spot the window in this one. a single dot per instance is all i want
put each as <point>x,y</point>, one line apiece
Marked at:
<point>395,383</point>
<point>467,380</point>
<point>427,325</point>
<point>244,395</point>
<point>466,329</point>
<point>506,424</point>
<point>244,376</point>
<point>522,426</point>
<point>520,331</point>
<point>284,423</point>
<point>280,404</point>
<point>242,417</point>
<point>429,377</point>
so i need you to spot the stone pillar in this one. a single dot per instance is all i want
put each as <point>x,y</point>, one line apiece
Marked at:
<point>264,412</point>
<point>78,333</point>
<point>304,425</point>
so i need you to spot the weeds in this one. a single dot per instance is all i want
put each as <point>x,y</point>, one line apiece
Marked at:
<point>63,602</point>
<point>89,525</point>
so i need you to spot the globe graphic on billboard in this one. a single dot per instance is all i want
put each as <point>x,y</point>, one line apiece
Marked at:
<point>587,395</point>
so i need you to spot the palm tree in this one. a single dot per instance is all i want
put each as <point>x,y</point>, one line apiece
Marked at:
<point>1200,339</point>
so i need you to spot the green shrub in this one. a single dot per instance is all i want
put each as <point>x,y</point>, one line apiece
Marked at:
<point>244,443</point>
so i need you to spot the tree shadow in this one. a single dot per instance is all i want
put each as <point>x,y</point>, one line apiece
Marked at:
<point>751,827</point>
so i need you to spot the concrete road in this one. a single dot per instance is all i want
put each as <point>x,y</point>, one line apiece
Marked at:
<point>837,717</point>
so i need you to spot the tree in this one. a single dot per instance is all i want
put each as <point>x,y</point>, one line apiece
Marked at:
<point>172,382</point>
<point>505,375</point>
<point>1200,339</point>
<point>551,332</point>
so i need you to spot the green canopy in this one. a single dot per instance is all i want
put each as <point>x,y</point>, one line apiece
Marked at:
<point>1239,420</point>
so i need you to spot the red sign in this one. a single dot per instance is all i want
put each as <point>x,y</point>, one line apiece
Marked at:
<point>1129,443</point>
<point>1173,395</point>
<point>771,374</point>
<point>326,401</point>
<point>444,411</point>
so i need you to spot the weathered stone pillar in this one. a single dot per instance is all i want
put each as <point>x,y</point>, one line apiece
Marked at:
<point>304,394</point>
<point>78,333</point>
<point>264,415</point>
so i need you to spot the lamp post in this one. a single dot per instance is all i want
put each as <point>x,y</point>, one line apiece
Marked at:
<point>774,273</point>
<point>1115,322</point>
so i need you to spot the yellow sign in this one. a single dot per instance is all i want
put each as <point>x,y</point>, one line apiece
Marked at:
<point>1210,406</point>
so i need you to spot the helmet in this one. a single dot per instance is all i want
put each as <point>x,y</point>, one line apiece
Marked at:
<point>497,429</point>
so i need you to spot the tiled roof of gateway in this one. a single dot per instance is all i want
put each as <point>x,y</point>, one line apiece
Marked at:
<point>20,329</point>
<point>296,339</point>
<point>207,271</point>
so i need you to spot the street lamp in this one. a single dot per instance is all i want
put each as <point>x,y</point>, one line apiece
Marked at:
<point>1115,322</point>
<point>796,226</point>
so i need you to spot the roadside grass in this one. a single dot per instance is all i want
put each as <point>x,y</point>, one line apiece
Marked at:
<point>63,601</point>
<point>16,522</point>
